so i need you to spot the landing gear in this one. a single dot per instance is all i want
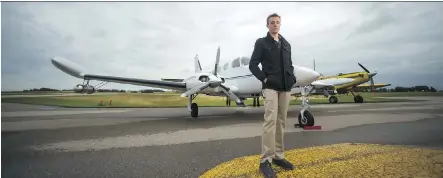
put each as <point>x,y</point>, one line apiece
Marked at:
<point>305,118</point>
<point>333,99</point>
<point>228,101</point>
<point>192,107</point>
<point>357,98</point>
<point>256,101</point>
<point>194,110</point>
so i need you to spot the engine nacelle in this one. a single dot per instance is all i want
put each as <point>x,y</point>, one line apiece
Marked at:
<point>84,89</point>
<point>78,88</point>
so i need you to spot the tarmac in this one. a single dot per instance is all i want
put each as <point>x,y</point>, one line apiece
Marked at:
<point>356,140</point>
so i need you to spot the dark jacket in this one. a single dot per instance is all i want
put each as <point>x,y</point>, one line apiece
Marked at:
<point>276,63</point>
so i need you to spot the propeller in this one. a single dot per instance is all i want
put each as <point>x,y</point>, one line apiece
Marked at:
<point>214,82</point>
<point>370,75</point>
<point>217,60</point>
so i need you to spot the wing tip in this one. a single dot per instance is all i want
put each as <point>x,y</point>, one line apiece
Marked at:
<point>68,66</point>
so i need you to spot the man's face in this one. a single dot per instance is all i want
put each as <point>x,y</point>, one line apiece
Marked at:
<point>274,24</point>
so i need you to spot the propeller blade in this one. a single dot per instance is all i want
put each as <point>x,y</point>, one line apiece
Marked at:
<point>217,59</point>
<point>372,85</point>
<point>198,67</point>
<point>237,100</point>
<point>195,89</point>
<point>364,68</point>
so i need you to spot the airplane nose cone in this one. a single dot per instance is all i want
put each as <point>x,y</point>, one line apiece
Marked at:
<point>305,76</point>
<point>372,74</point>
<point>312,75</point>
<point>315,74</point>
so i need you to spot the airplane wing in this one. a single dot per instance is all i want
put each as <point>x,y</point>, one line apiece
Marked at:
<point>368,86</point>
<point>135,81</point>
<point>173,79</point>
<point>330,82</point>
<point>78,72</point>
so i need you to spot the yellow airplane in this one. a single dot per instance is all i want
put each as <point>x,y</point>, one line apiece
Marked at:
<point>359,78</point>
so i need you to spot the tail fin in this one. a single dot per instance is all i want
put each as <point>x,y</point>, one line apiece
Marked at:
<point>198,67</point>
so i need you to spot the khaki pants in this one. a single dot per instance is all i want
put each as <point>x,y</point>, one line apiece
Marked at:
<point>276,108</point>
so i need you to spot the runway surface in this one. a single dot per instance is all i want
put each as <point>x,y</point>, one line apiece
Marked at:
<point>41,141</point>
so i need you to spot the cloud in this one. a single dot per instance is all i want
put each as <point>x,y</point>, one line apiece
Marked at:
<point>160,39</point>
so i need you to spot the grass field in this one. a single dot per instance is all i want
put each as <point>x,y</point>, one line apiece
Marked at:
<point>170,99</point>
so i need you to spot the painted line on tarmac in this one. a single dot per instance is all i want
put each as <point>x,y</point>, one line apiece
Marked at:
<point>204,117</point>
<point>391,109</point>
<point>67,123</point>
<point>332,105</point>
<point>343,160</point>
<point>53,113</point>
<point>246,130</point>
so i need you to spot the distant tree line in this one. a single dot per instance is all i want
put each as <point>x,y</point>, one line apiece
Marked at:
<point>40,89</point>
<point>98,90</point>
<point>419,88</point>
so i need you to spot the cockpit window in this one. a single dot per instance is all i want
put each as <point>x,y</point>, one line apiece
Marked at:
<point>236,62</point>
<point>245,61</point>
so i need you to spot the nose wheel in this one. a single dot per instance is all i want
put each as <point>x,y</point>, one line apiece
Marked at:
<point>305,118</point>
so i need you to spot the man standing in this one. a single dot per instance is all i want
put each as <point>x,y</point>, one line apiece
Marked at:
<point>277,77</point>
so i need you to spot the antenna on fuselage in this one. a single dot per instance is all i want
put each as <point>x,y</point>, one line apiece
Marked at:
<point>321,74</point>
<point>314,64</point>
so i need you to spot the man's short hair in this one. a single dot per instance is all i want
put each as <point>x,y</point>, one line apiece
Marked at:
<point>272,15</point>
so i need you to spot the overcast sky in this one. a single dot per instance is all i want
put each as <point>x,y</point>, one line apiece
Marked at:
<point>138,39</point>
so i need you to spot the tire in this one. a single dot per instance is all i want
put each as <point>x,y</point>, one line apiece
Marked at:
<point>333,99</point>
<point>358,99</point>
<point>194,110</point>
<point>308,119</point>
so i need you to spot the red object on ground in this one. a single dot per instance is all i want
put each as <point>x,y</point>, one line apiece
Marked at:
<point>315,127</point>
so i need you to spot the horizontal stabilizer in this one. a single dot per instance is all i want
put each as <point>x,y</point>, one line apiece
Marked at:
<point>367,86</point>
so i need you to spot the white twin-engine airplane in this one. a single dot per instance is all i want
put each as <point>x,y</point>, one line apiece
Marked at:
<point>233,80</point>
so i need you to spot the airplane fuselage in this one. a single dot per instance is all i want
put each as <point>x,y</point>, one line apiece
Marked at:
<point>359,78</point>
<point>244,84</point>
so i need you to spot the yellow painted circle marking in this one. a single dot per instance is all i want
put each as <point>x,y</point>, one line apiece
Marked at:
<point>344,160</point>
